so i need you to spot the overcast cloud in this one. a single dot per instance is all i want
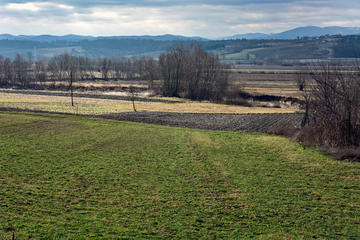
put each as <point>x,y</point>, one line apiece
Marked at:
<point>183,17</point>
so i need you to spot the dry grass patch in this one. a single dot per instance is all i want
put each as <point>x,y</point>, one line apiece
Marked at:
<point>105,106</point>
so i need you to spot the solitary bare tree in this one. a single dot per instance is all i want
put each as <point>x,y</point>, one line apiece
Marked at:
<point>132,92</point>
<point>69,66</point>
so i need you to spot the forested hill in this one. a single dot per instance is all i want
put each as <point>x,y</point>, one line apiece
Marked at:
<point>256,51</point>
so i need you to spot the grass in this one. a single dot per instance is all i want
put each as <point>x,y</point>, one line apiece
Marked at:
<point>70,177</point>
<point>244,55</point>
<point>247,54</point>
<point>104,106</point>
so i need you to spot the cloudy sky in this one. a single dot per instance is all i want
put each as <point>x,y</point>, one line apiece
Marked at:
<point>206,18</point>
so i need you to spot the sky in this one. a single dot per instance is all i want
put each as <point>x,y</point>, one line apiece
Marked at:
<point>205,18</point>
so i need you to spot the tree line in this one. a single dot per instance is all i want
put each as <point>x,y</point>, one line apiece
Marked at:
<point>191,72</point>
<point>182,71</point>
<point>25,72</point>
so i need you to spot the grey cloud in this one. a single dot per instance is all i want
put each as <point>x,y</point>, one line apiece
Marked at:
<point>86,3</point>
<point>196,17</point>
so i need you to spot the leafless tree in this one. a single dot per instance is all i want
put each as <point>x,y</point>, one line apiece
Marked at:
<point>303,80</point>
<point>8,71</point>
<point>132,92</point>
<point>172,69</point>
<point>334,104</point>
<point>151,71</point>
<point>21,68</point>
<point>85,67</point>
<point>2,77</point>
<point>54,70</point>
<point>73,75</point>
<point>105,66</point>
<point>40,72</point>
<point>69,66</point>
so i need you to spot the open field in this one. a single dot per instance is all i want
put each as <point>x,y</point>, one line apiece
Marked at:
<point>281,91</point>
<point>265,83</point>
<point>70,177</point>
<point>268,80</point>
<point>96,106</point>
<point>212,121</point>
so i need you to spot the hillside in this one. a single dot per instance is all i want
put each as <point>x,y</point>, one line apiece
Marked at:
<point>248,51</point>
<point>66,177</point>
<point>78,38</point>
<point>300,32</point>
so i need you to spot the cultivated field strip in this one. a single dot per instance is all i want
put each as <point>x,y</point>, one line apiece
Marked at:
<point>228,122</point>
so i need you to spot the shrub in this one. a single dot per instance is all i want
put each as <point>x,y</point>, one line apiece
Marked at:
<point>236,96</point>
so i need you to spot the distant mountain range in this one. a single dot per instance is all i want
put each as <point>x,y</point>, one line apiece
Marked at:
<point>78,38</point>
<point>309,31</point>
<point>259,48</point>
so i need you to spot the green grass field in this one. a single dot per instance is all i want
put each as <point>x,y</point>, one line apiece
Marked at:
<point>68,177</point>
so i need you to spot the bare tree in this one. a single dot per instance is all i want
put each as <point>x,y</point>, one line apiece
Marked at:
<point>73,73</point>
<point>54,70</point>
<point>172,65</point>
<point>20,68</point>
<point>69,66</point>
<point>2,75</point>
<point>105,66</point>
<point>151,71</point>
<point>8,71</point>
<point>334,104</point>
<point>132,92</point>
<point>40,71</point>
<point>85,67</point>
<point>303,80</point>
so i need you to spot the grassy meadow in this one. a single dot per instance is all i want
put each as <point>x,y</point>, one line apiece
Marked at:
<point>94,106</point>
<point>71,177</point>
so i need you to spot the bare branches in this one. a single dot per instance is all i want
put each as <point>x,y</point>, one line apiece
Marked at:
<point>191,72</point>
<point>333,103</point>
<point>132,92</point>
